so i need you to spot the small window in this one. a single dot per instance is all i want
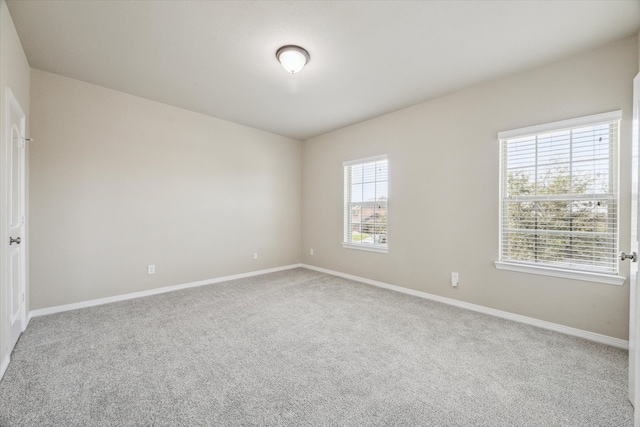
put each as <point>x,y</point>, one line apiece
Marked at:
<point>559,195</point>
<point>365,204</point>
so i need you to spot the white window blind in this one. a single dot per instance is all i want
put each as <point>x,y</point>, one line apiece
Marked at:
<point>365,203</point>
<point>559,194</point>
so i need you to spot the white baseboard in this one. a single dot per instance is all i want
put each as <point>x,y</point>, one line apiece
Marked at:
<point>4,365</point>
<point>116,298</point>
<point>591,336</point>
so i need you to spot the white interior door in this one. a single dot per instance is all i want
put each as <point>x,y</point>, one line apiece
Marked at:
<point>634,312</point>
<point>15,218</point>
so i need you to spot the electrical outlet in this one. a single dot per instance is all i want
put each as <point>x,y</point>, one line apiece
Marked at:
<point>454,279</point>
<point>311,251</point>
<point>151,269</point>
<point>255,255</point>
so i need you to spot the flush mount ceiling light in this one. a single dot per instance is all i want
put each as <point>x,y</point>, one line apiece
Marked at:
<point>292,58</point>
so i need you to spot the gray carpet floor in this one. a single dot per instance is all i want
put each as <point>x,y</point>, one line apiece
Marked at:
<point>307,349</point>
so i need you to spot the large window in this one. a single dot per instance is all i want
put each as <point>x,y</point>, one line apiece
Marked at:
<point>559,195</point>
<point>365,204</point>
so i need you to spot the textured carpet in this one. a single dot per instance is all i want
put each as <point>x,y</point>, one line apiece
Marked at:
<point>307,349</point>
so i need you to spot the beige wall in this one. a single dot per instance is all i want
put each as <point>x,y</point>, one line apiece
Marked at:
<point>443,191</point>
<point>119,182</point>
<point>14,73</point>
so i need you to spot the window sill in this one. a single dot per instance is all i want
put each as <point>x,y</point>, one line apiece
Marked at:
<point>379,249</point>
<point>558,272</point>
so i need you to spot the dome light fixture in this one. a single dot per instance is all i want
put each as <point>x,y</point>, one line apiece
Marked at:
<point>293,58</point>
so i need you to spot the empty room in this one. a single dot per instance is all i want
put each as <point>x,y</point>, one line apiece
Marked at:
<point>319,213</point>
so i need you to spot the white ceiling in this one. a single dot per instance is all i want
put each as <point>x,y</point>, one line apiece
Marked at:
<point>367,57</point>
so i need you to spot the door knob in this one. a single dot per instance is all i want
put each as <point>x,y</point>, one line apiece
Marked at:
<point>632,256</point>
<point>12,240</point>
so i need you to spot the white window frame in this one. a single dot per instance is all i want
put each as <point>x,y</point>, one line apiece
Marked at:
<point>547,270</point>
<point>347,222</point>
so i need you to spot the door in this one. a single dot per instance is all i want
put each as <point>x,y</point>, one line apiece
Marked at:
<point>15,218</point>
<point>634,298</point>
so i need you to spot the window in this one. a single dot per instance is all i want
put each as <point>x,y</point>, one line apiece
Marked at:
<point>559,198</point>
<point>365,204</point>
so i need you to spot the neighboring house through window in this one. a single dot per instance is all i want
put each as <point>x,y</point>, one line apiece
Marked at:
<point>365,204</point>
<point>559,199</point>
